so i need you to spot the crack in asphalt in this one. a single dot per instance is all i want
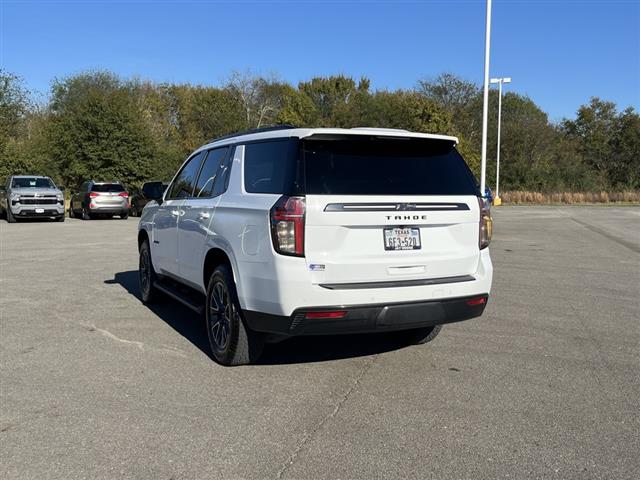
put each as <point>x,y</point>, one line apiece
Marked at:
<point>336,409</point>
<point>620,241</point>
<point>141,346</point>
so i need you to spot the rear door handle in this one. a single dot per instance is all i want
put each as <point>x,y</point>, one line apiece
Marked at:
<point>175,213</point>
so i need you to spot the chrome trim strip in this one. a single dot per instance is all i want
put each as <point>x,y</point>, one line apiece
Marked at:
<point>396,207</point>
<point>398,283</point>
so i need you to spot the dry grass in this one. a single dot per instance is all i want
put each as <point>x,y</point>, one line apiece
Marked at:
<point>569,198</point>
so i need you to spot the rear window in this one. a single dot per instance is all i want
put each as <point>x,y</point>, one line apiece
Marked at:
<point>384,166</point>
<point>107,187</point>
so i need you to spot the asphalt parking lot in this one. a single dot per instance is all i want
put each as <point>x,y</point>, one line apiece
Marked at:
<point>545,385</point>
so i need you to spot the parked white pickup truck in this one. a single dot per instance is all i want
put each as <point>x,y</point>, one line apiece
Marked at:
<point>28,196</point>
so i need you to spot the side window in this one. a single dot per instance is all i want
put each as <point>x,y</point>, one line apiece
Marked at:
<point>182,186</point>
<point>270,167</point>
<point>211,169</point>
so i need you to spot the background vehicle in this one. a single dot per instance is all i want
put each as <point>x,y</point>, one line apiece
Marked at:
<point>140,198</point>
<point>29,196</point>
<point>100,199</point>
<point>282,232</point>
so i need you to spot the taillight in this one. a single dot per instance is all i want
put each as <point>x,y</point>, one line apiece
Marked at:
<point>287,225</point>
<point>474,302</point>
<point>486,224</point>
<point>124,194</point>
<point>94,195</point>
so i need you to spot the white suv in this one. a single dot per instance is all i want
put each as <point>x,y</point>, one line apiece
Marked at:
<point>297,231</point>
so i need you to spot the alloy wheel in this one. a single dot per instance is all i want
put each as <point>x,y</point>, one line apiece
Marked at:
<point>221,313</point>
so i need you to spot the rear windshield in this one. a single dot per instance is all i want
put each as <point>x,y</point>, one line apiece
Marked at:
<point>363,165</point>
<point>32,182</point>
<point>383,166</point>
<point>107,187</point>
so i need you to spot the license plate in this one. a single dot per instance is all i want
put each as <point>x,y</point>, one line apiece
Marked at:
<point>39,210</point>
<point>402,239</point>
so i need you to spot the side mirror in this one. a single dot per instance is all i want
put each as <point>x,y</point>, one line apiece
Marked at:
<point>153,191</point>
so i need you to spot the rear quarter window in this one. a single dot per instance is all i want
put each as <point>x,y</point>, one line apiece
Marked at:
<point>272,167</point>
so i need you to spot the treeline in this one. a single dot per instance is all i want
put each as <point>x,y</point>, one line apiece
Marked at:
<point>97,125</point>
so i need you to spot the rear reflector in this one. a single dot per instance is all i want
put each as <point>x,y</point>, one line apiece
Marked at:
<point>332,314</point>
<point>477,301</point>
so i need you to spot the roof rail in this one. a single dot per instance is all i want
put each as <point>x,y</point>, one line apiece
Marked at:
<point>253,130</point>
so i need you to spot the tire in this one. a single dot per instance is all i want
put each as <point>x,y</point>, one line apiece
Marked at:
<point>420,336</point>
<point>60,219</point>
<point>124,215</point>
<point>72,214</point>
<point>231,342</point>
<point>85,214</point>
<point>147,276</point>
<point>10,217</point>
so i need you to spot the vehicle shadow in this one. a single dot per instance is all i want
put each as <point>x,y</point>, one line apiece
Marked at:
<point>291,351</point>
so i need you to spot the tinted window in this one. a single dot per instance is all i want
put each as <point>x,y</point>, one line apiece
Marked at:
<point>272,167</point>
<point>32,182</point>
<point>107,187</point>
<point>183,184</point>
<point>375,166</point>
<point>153,189</point>
<point>209,173</point>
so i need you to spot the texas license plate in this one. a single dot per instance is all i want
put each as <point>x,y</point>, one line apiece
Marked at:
<point>402,239</point>
<point>39,210</point>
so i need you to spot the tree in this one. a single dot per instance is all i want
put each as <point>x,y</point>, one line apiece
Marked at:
<point>96,131</point>
<point>332,94</point>
<point>14,110</point>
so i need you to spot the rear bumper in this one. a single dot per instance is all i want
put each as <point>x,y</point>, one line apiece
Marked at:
<point>109,208</point>
<point>369,318</point>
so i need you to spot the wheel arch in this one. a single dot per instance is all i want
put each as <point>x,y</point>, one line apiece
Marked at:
<point>142,236</point>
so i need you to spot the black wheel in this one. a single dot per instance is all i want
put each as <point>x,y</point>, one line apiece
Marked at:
<point>420,336</point>
<point>72,214</point>
<point>232,343</point>
<point>124,215</point>
<point>60,218</point>
<point>146,275</point>
<point>10,217</point>
<point>85,214</point>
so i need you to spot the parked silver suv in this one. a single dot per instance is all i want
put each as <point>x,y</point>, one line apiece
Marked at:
<point>28,196</point>
<point>100,199</point>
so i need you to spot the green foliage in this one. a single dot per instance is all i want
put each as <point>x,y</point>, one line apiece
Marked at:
<point>608,142</point>
<point>96,131</point>
<point>97,125</point>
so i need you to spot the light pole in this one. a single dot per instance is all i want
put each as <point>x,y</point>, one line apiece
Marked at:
<point>485,104</point>
<point>499,81</point>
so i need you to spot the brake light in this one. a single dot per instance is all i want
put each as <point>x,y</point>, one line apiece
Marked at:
<point>486,224</point>
<point>124,194</point>
<point>94,195</point>
<point>331,314</point>
<point>287,225</point>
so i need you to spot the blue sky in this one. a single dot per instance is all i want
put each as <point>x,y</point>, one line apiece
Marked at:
<point>560,53</point>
